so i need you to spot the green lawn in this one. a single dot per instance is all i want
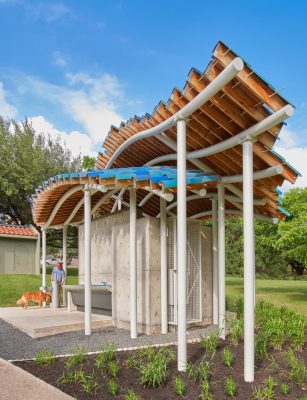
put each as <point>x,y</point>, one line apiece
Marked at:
<point>292,293</point>
<point>12,286</point>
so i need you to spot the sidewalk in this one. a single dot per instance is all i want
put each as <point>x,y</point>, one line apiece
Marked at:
<point>17,384</point>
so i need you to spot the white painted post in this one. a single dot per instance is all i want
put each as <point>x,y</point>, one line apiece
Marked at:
<point>65,260</point>
<point>181,244</point>
<point>133,266</point>
<point>87,261</point>
<point>215,283</point>
<point>249,257</point>
<point>221,259</point>
<point>163,277</point>
<point>44,275</point>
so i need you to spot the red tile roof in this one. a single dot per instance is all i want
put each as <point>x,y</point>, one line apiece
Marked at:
<point>16,230</point>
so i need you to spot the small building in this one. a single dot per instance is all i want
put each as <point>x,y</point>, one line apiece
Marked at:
<point>19,249</point>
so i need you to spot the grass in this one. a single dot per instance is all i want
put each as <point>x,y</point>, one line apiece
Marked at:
<point>292,293</point>
<point>12,286</point>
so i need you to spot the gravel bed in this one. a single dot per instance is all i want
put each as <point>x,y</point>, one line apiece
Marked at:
<point>15,344</point>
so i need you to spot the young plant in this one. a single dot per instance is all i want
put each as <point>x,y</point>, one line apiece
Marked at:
<point>273,366</point>
<point>89,384</point>
<point>106,355</point>
<point>227,357</point>
<point>132,361</point>
<point>296,331</point>
<point>113,388</point>
<point>230,386</point>
<point>210,343</point>
<point>66,378</point>
<point>266,391</point>
<point>113,369</point>
<point>203,371</point>
<point>205,391</point>
<point>298,370</point>
<point>284,389</point>
<point>235,330</point>
<point>275,330</point>
<point>130,395</point>
<point>78,357</point>
<point>44,357</point>
<point>261,345</point>
<point>179,386</point>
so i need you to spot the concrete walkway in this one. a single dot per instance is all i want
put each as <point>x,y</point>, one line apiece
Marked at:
<point>17,384</point>
<point>39,322</point>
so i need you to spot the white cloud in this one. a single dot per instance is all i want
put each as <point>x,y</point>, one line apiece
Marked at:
<point>59,59</point>
<point>6,110</point>
<point>296,156</point>
<point>76,141</point>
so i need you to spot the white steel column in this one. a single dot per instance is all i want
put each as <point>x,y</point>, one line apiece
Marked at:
<point>44,275</point>
<point>133,266</point>
<point>87,261</point>
<point>221,259</point>
<point>64,259</point>
<point>249,257</point>
<point>163,277</point>
<point>181,244</point>
<point>215,283</point>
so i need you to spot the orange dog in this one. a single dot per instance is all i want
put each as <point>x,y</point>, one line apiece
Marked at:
<point>37,297</point>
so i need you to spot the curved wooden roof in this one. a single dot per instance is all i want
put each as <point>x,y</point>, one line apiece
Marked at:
<point>243,102</point>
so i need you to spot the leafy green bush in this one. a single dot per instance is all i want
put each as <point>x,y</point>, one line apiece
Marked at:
<point>44,357</point>
<point>78,357</point>
<point>179,386</point>
<point>230,386</point>
<point>298,370</point>
<point>227,357</point>
<point>266,391</point>
<point>113,387</point>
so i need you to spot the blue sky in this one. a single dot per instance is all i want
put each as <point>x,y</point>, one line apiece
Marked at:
<point>74,67</point>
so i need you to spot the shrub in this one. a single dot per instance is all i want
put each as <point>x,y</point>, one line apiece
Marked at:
<point>179,386</point>
<point>210,343</point>
<point>205,391</point>
<point>298,370</point>
<point>284,389</point>
<point>78,357</point>
<point>44,357</point>
<point>230,386</point>
<point>227,357</point>
<point>106,355</point>
<point>235,330</point>
<point>130,395</point>
<point>113,369</point>
<point>113,388</point>
<point>266,391</point>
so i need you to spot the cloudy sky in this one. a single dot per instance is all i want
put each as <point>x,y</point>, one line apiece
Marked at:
<point>76,67</point>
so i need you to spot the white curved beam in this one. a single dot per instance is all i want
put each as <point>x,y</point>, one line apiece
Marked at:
<point>215,86</point>
<point>62,200</point>
<point>120,196</point>
<point>146,198</point>
<point>102,200</point>
<point>76,209</point>
<point>235,212</point>
<point>252,132</point>
<point>264,173</point>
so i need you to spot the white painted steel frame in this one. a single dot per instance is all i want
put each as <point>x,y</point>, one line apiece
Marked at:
<point>236,212</point>
<point>87,261</point>
<point>44,272</point>
<point>249,261</point>
<point>215,273</point>
<point>64,244</point>
<point>133,265</point>
<point>221,259</point>
<point>164,271</point>
<point>181,244</point>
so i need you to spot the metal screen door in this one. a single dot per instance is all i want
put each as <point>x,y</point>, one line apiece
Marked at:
<point>194,312</point>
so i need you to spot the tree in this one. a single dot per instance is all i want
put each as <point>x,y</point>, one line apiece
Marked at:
<point>293,231</point>
<point>88,163</point>
<point>26,160</point>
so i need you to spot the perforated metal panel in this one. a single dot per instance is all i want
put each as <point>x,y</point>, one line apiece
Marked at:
<point>194,311</point>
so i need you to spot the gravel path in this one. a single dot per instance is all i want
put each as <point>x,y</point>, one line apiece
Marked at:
<point>15,344</point>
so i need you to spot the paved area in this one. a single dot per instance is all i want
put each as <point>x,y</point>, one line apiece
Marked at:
<point>17,384</point>
<point>39,322</point>
<point>15,344</point>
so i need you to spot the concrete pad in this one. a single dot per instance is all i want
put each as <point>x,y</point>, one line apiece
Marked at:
<point>38,322</point>
<point>17,384</point>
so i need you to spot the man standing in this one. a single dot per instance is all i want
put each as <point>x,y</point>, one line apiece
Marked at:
<point>58,278</point>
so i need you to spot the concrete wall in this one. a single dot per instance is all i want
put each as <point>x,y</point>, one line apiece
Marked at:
<point>19,256</point>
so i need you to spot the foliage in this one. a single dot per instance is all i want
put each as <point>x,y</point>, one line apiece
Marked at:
<point>205,391</point>
<point>106,355</point>
<point>88,163</point>
<point>266,391</point>
<point>235,330</point>
<point>78,357</point>
<point>27,159</point>
<point>298,370</point>
<point>154,366</point>
<point>67,377</point>
<point>179,386</point>
<point>261,345</point>
<point>44,357</point>
<point>210,343</point>
<point>89,383</point>
<point>113,369</point>
<point>113,387</point>
<point>130,395</point>
<point>284,389</point>
<point>132,361</point>
<point>230,386</point>
<point>200,372</point>
<point>227,357</point>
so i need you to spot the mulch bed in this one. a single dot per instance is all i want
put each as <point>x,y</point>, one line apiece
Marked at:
<point>129,378</point>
